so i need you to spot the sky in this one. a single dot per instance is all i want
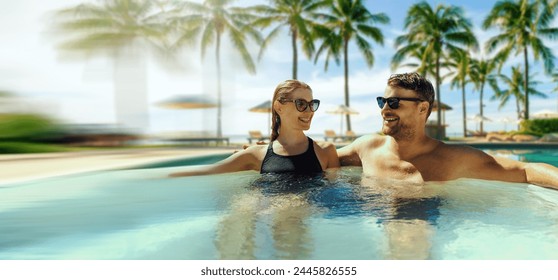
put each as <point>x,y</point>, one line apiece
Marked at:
<point>75,90</point>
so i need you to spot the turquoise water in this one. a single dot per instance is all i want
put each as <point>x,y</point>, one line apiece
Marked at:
<point>141,214</point>
<point>549,156</point>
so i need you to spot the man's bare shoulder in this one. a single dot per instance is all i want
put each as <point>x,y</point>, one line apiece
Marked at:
<point>468,162</point>
<point>463,154</point>
<point>351,154</point>
<point>457,149</point>
<point>369,140</point>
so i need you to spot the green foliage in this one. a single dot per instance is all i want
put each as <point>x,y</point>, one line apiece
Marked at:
<point>23,147</point>
<point>539,127</point>
<point>26,127</point>
<point>298,16</point>
<point>4,93</point>
<point>432,34</point>
<point>523,26</point>
<point>349,21</point>
<point>111,25</point>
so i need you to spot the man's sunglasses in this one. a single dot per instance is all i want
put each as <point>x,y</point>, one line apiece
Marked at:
<point>393,102</point>
<point>302,104</point>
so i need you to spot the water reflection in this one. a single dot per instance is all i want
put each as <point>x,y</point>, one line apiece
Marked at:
<point>284,206</point>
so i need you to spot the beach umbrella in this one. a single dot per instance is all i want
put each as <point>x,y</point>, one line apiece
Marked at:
<point>180,102</point>
<point>187,102</point>
<point>545,114</point>
<point>507,120</point>
<point>264,107</point>
<point>478,118</point>
<point>342,110</point>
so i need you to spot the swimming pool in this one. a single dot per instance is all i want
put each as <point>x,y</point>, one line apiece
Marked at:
<point>141,214</point>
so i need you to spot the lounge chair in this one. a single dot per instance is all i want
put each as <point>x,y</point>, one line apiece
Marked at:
<point>476,133</point>
<point>549,137</point>
<point>494,136</point>
<point>330,134</point>
<point>256,135</point>
<point>524,138</point>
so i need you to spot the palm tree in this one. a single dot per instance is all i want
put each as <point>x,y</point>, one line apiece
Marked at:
<point>298,16</point>
<point>349,20</point>
<point>414,61</point>
<point>481,73</point>
<point>460,61</point>
<point>515,89</point>
<point>523,25</point>
<point>117,28</point>
<point>212,19</point>
<point>555,79</point>
<point>437,32</point>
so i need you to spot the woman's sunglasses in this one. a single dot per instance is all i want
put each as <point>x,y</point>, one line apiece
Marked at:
<point>393,102</point>
<point>302,104</point>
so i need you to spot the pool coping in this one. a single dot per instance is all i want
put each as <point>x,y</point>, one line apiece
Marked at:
<point>30,168</point>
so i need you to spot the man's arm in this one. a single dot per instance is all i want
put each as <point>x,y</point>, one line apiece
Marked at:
<point>541,174</point>
<point>349,155</point>
<point>332,157</point>
<point>484,166</point>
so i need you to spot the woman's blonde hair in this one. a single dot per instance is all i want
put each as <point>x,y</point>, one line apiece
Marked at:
<point>283,90</point>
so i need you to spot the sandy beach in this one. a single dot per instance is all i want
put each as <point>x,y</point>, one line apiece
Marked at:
<point>18,168</point>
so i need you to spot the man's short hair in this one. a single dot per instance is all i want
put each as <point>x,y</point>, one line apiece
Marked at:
<point>415,82</point>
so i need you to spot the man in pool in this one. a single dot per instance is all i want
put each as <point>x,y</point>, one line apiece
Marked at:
<point>405,152</point>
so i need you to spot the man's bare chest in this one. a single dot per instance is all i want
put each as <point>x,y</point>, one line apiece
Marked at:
<point>390,166</point>
<point>420,169</point>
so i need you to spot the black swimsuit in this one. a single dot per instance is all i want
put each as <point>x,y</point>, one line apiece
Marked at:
<point>304,163</point>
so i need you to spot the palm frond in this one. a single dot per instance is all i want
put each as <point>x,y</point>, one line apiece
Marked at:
<point>209,35</point>
<point>238,40</point>
<point>366,50</point>
<point>270,37</point>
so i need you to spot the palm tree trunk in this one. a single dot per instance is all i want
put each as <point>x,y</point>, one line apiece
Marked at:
<point>526,83</point>
<point>439,111</point>
<point>464,110</point>
<point>295,53</point>
<point>218,62</point>
<point>481,107</point>
<point>346,64</point>
<point>518,110</point>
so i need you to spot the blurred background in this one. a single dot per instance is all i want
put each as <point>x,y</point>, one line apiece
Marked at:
<point>107,72</point>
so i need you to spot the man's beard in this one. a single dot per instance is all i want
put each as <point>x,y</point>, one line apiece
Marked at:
<point>400,132</point>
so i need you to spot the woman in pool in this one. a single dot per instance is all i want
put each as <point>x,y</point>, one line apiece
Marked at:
<point>290,150</point>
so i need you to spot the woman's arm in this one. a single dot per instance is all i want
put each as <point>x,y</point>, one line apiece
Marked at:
<point>240,161</point>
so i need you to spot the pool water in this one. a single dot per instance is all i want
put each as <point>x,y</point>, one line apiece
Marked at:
<point>549,156</point>
<point>141,214</point>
